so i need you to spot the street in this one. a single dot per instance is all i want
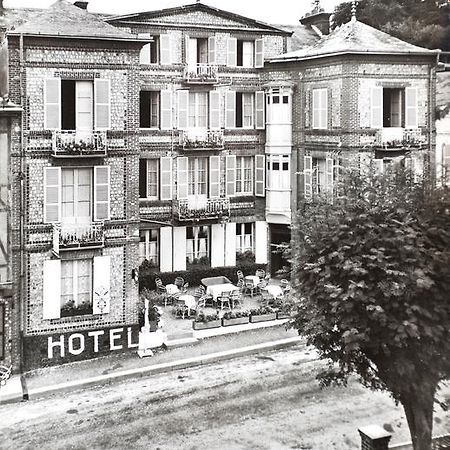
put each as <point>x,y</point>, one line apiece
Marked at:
<point>265,401</point>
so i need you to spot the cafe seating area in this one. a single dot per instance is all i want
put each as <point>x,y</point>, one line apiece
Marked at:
<point>181,303</point>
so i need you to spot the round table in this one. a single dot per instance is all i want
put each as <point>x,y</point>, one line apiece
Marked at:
<point>172,289</point>
<point>253,278</point>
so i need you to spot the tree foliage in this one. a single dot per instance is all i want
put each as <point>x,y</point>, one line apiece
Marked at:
<point>373,272</point>
<point>425,23</point>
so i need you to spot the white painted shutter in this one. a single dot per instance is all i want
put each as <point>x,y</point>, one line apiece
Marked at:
<point>231,175</point>
<point>259,53</point>
<point>307,177</point>
<point>52,289</point>
<point>376,107</point>
<point>179,248</point>
<point>52,194</point>
<point>102,187</point>
<point>214,110</point>
<point>260,178</point>
<point>165,49</point>
<point>212,50</point>
<point>182,109</point>
<point>144,55</point>
<point>329,180</point>
<point>214,176</point>
<point>166,110</point>
<point>316,108</point>
<point>232,52</point>
<point>102,100</point>
<point>230,109</point>
<point>261,242</point>
<point>230,244</point>
<point>186,50</point>
<point>182,178</point>
<point>217,245</point>
<point>259,102</point>
<point>52,104</point>
<point>166,249</point>
<point>411,107</point>
<point>101,297</point>
<point>166,178</point>
<point>324,108</point>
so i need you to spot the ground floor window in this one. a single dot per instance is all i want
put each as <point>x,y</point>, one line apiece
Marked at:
<point>197,245</point>
<point>2,332</point>
<point>244,237</point>
<point>76,287</point>
<point>148,247</point>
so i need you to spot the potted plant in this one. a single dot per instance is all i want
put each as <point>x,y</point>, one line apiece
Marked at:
<point>262,314</point>
<point>205,321</point>
<point>154,314</point>
<point>235,318</point>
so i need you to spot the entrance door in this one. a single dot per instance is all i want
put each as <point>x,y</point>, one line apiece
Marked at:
<point>280,238</point>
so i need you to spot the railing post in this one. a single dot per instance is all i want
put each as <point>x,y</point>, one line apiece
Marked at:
<point>373,437</point>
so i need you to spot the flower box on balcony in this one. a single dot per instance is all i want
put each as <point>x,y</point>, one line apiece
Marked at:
<point>74,144</point>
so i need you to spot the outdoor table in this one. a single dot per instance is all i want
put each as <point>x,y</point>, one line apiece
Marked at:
<point>189,302</point>
<point>210,281</point>
<point>274,290</point>
<point>254,278</point>
<point>172,289</point>
<point>216,289</point>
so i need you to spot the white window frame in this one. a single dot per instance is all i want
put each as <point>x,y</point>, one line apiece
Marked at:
<point>241,238</point>
<point>195,183</point>
<point>194,103</point>
<point>147,235</point>
<point>147,184</point>
<point>319,108</point>
<point>241,173</point>
<point>196,241</point>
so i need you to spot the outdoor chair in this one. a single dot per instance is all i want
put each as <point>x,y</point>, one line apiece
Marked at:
<point>185,288</point>
<point>260,273</point>
<point>236,298</point>
<point>285,286</point>
<point>161,289</point>
<point>5,373</point>
<point>261,285</point>
<point>179,282</point>
<point>180,308</point>
<point>240,275</point>
<point>224,300</point>
<point>249,288</point>
<point>266,298</point>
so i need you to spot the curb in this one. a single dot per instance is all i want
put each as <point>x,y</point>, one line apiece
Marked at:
<point>163,367</point>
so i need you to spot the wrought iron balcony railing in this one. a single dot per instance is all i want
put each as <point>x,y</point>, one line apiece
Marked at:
<point>396,137</point>
<point>202,139</point>
<point>78,236</point>
<point>200,73</point>
<point>202,208</point>
<point>70,143</point>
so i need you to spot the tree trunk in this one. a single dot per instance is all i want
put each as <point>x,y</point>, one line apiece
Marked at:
<point>418,406</point>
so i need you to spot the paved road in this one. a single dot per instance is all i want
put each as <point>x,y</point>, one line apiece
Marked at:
<point>266,401</point>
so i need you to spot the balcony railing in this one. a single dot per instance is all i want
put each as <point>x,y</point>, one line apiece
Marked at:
<point>202,208</point>
<point>399,137</point>
<point>78,236</point>
<point>70,143</point>
<point>202,139</point>
<point>200,73</point>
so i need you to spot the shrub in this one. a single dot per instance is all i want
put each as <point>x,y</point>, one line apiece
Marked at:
<point>236,314</point>
<point>202,317</point>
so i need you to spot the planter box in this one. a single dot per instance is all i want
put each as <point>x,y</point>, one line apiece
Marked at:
<point>263,318</point>
<point>207,325</point>
<point>236,321</point>
<point>283,315</point>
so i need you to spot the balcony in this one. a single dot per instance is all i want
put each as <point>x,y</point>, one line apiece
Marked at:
<point>200,73</point>
<point>202,208</point>
<point>202,139</point>
<point>78,236</point>
<point>395,137</point>
<point>70,144</point>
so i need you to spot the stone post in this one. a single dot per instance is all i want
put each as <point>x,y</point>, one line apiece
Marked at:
<point>374,437</point>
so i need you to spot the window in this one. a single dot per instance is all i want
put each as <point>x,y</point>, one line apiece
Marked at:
<point>150,52</point>
<point>2,331</point>
<point>76,198</point>
<point>319,180</point>
<point>244,110</point>
<point>197,176</point>
<point>198,109</point>
<point>197,51</point>
<point>244,175</point>
<point>278,173</point>
<point>197,244</point>
<point>148,247</point>
<point>148,178</point>
<point>319,175</point>
<point>149,112</point>
<point>320,108</point>
<point>245,53</point>
<point>244,237</point>
<point>77,105</point>
<point>393,108</point>
<point>76,287</point>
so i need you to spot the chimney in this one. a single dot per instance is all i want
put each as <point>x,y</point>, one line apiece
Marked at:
<point>317,19</point>
<point>82,5</point>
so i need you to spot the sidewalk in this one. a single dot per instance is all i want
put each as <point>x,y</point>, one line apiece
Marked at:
<point>128,365</point>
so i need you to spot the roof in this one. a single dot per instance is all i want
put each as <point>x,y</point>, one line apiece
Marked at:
<point>354,37</point>
<point>63,19</point>
<point>194,7</point>
<point>302,36</point>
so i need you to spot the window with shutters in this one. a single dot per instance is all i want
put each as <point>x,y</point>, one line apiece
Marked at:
<point>76,195</point>
<point>2,331</point>
<point>197,176</point>
<point>278,174</point>
<point>319,176</point>
<point>319,108</point>
<point>77,105</point>
<point>393,107</point>
<point>244,237</point>
<point>149,247</point>
<point>149,109</point>
<point>245,53</point>
<point>76,287</point>
<point>197,244</point>
<point>244,110</point>
<point>198,110</point>
<point>244,175</point>
<point>197,52</point>
<point>149,179</point>
<point>150,52</point>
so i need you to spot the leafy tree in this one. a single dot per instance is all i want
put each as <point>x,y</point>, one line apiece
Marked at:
<point>373,270</point>
<point>425,23</point>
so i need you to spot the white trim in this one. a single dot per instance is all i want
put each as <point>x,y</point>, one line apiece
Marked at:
<point>106,105</point>
<point>166,160</point>
<point>57,170</point>
<point>57,105</point>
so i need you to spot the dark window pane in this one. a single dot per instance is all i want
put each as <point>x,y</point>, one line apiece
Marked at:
<point>285,166</point>
<point>142,178</point>
<point>285,99</point>
<point>276,99</point>
<point>68,104</point>
<point>276,166</point>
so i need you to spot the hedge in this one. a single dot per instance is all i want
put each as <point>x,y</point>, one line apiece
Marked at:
<point>194,275</point>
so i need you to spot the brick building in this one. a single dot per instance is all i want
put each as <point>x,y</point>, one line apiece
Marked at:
<point>185,137</point>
